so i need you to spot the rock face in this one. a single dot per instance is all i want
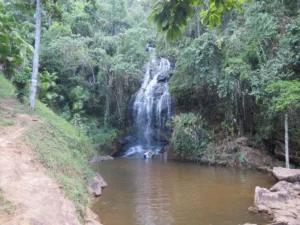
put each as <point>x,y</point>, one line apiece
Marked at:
<point>293,188</point>
<point>96,159</point>
<point>290,175</point>
<point>163,77</point>
<point>281,202</point>
<point>117,145</point>
<point>96,186</point>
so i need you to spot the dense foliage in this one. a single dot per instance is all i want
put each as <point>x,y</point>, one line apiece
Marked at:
<point>189,136</point>
<point>246,72</point>
<point>240,77</point>
<point>91,58</point>
<point>172,16</point>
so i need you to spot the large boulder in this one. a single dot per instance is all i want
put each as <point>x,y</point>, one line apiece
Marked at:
<point>265,197</point>
<point>289,175</point>
<point>114,149</point>
<point>96,185</point>
<point>282,203</point>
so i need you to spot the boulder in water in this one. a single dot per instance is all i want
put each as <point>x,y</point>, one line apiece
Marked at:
<point>290,175</point>
<point>96,185</point>
<point>116,146</point>
<point>163,77</point>
<point>283,204</point>
<point>265,197</point>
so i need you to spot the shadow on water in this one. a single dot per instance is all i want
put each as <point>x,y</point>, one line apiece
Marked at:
<point>152,192</point>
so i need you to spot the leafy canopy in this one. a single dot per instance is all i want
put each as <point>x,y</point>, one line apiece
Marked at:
<point>171,16</point>
<point>286,94</point>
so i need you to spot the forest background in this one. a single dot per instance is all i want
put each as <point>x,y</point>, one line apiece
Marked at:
<point>246,70</point>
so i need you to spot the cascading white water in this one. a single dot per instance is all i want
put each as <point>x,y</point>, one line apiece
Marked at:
<point>152,107</point>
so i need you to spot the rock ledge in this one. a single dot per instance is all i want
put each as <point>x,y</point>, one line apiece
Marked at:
<point>282,201</point>
<point>289,175</point>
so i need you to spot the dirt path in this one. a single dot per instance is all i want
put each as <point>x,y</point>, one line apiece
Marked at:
<point>37,199</point>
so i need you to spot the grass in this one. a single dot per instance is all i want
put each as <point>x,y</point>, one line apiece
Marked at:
<point>6,207</point>
<point>64,157</point>
<point>4,122</point>
<point>6,88</point>
<point>61,148</point>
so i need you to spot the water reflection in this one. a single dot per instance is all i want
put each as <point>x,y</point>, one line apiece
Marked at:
<point>152,201</point>
<point>146,192</point>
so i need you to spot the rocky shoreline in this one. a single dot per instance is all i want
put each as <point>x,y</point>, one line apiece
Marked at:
<point>282,201</point>
<point>96,185</point>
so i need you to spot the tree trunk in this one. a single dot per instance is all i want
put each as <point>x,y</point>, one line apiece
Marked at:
<point>198,22</point>
<point>35,65</point>
<point>286,139</point>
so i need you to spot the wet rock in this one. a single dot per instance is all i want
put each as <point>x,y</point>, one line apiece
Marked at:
<point>290,175</point>
<point>117,145</point>
<point>157,156</point>
<point>99,179</point>
<point>95,189</point>
<point>161,136</point>
<point>96,185</point>
<point>163,77</point>
<point>159,89</point>
<point>96,159</point>
<point>253,209</point>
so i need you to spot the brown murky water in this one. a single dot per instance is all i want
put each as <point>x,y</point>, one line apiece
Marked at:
<point>149,192</point>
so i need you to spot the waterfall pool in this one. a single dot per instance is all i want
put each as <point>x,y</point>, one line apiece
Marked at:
<point>153,192</point>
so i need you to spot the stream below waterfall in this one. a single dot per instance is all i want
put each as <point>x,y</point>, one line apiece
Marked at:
<point>154,192</point>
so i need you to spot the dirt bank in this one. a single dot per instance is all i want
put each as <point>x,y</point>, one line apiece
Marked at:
<point>28,195</point>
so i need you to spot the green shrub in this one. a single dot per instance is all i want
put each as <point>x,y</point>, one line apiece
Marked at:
<point>20,81</point>
<point>189,138</point>
<point>100,136</point>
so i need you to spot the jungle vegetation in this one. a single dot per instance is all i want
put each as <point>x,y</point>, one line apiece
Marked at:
<point>237,59</point>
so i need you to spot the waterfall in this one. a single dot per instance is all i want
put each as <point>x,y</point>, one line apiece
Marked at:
<point>151,112</point>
